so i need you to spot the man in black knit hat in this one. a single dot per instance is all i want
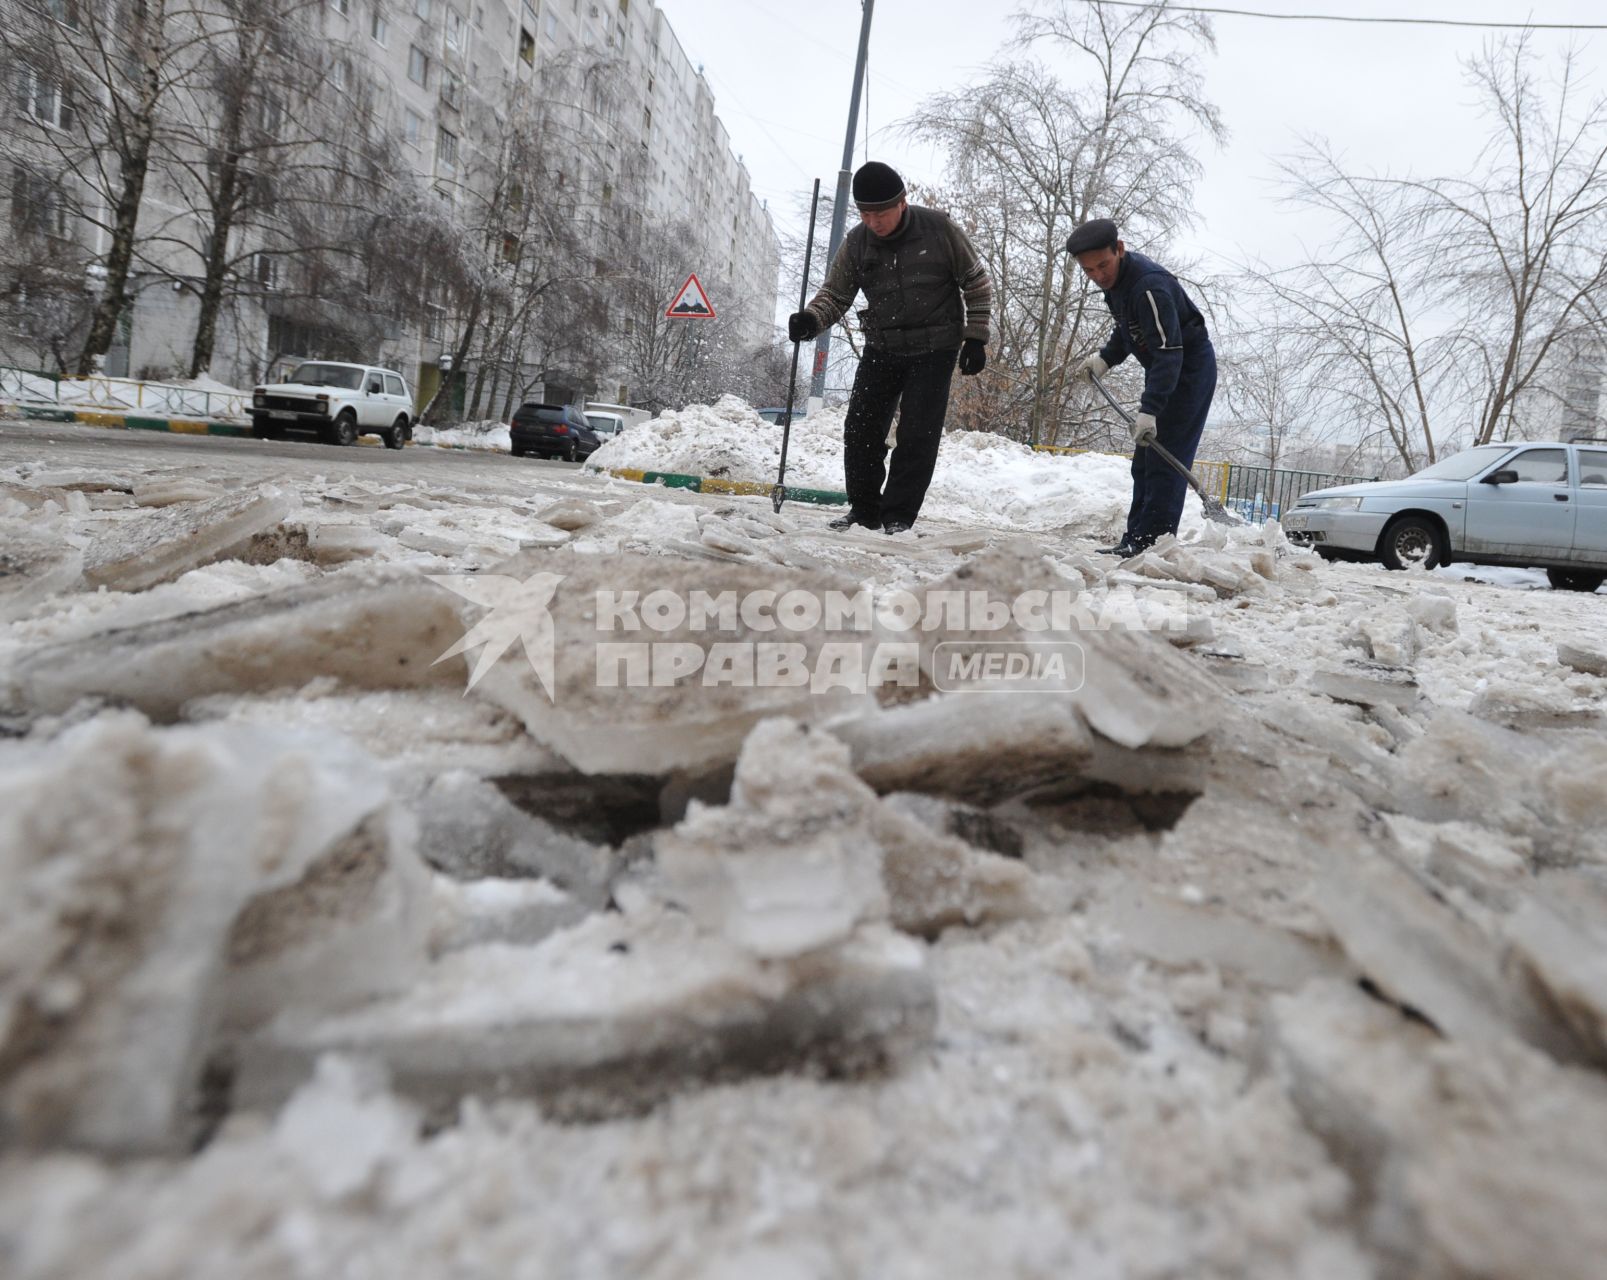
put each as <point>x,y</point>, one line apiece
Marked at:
<point>1157,322</point>
<point>928,302</point>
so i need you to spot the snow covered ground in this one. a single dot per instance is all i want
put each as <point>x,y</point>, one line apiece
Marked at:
<point>1268,942</point>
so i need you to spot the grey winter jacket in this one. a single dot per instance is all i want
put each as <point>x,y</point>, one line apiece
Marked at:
<point>925,289</point>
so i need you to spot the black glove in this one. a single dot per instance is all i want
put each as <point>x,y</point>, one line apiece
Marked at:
<point>802,326</point>
<point>973,356</point>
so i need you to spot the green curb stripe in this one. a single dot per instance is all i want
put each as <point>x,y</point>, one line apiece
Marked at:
<point>145,424</point>
<point>745,488</point>
<point>228,429</point>
<point>47,415</point>
<point>670,480</point>
<point>819,497</point>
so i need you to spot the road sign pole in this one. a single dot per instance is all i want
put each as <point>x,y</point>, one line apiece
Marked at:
<point>839,212</point>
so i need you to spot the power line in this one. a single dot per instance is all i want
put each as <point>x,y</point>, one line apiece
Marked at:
<point>1338,17</point>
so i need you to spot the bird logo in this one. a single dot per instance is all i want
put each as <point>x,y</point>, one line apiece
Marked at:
<point>516,611</point>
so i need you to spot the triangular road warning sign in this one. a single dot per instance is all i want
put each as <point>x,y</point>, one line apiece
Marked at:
<point>691,303</point>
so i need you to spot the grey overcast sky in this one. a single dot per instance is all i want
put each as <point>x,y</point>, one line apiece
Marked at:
<point>1390,97</point>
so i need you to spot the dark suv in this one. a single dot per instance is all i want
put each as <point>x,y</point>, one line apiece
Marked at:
<point>552,431</point>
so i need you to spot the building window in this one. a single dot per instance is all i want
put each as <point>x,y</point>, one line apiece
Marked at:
<point>418,66</point>
<point>510,248</point>
<point>452,91</point>
<point>63,11</point>
<point>341,74</point>
<point>457,31</point>
<point>527,46</point>
<point>550,25</point>
<point>342,7</point>
<point>265,269</point>
<point>479,17</point>
<point>413,128</point>
<point>422,8</point>
<point>379,28</point>
<point>38,206</point>
<point>44,99</point>
<point>624,394</point>
<point>446,150</point>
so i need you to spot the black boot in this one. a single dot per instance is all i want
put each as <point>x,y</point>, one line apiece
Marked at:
<point>851,518</point>
<point>1122,550</point>
<point>895,526</point>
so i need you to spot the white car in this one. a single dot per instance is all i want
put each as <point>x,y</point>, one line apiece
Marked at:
<point>606,425</point>
<point>1541,504</point>
<point>339,401</point>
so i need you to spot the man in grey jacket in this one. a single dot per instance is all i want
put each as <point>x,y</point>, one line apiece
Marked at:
<point>928,302</point>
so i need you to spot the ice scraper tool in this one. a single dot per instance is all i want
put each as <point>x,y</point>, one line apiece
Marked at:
<point>1214,510</point>
<point>778,495</point>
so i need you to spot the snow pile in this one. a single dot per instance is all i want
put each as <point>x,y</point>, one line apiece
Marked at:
<point>729,441</point>
<point>980,478</point>
<point>486,433</point>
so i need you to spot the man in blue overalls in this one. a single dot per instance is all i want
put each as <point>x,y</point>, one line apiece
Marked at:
<point>1157,322</point>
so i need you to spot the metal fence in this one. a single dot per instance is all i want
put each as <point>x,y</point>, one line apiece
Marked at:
<point>119,395</point>
<point>1264,493</point>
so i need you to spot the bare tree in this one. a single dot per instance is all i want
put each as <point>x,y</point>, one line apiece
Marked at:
<point>1447,310</point>
<point>1032,154</point>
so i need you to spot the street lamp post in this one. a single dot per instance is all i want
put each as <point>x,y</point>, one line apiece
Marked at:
<point>839,212</point>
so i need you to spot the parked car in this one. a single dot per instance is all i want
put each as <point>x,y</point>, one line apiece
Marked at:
<point>552,431</point>
<point>774,416</point>
<point>1540,504</point>
<point>630,416</point>
<point>606,425</point>
<point>338,401</point>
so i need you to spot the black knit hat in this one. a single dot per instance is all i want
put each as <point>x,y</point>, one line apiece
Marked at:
<point>1098,234</point>
<point>877,186</point>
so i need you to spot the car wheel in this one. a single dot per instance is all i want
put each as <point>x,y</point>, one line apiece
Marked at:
<point>516,451</point>
<point>1327,553</point>
<point>572,452</point>
<point>396,437</point>
<point>1575,579</point>
<point>1412,543</point>
<point>345,429</point>
<point>265,431</point>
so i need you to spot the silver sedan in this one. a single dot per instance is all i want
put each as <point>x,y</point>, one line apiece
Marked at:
<point>1540,504</point>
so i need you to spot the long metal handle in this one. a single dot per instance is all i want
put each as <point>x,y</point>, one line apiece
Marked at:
<point>1164,454</point>
<point>778,495</point>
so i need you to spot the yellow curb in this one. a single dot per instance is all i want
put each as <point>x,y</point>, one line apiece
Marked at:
<point>629,473</point>
<point>185,428</point>
<point>101,419</point>
<point>745,488</point>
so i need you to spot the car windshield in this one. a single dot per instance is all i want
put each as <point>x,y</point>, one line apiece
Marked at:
<point>1465,465</point>
<point>602,426</point>
<point>313,374</point>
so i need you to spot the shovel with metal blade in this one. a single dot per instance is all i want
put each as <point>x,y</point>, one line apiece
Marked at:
<point>1214,510</point>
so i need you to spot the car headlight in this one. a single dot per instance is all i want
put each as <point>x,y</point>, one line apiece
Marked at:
<point>259,398</point>
<point>1336,504</point>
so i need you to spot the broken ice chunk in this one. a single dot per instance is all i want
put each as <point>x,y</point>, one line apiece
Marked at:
<point>791,865</point>
<point>615,1014</point>
<point>120,898</point>
<point>158,546</point>
<point>368,628</point>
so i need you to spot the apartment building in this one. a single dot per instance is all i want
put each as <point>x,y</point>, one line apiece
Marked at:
<point>437,74</point>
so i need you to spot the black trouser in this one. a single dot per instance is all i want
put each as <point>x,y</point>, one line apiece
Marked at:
<point>1158,490</point>
<point>922,382</point>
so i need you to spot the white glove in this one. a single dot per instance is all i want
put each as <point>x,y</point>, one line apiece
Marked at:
<point>1143,429</point>
<point>1091,368</point>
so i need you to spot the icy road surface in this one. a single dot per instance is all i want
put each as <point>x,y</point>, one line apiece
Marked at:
<point>1273,945</point>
